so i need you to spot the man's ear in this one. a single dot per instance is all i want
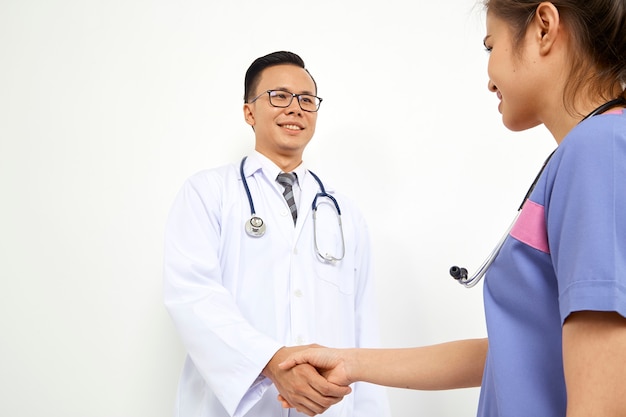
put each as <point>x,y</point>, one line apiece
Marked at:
<point>248,114</point>
<point>546,26</point>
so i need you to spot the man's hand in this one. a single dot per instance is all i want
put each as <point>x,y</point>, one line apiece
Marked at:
<point>301,386</point>
<point>330,363</point>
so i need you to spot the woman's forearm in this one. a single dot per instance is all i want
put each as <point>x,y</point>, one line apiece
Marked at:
<point>449,365</point>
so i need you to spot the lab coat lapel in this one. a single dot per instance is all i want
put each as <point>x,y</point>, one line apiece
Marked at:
<point>308,189</point>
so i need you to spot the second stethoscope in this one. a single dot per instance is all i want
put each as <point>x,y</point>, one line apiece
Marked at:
<point>255,226</point>
<point>460,274</point>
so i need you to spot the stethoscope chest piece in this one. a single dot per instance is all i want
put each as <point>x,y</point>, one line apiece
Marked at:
<point>255,227</point>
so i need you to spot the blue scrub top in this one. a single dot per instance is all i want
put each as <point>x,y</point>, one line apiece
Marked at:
<point>566,253</point>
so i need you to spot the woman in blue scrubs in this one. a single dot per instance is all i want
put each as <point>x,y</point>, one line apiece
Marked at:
<point>555,296</point>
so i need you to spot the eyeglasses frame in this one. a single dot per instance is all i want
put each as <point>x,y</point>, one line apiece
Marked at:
<point>298,96</point>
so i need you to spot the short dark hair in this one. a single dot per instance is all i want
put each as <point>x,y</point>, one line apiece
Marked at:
<point>253,73</point>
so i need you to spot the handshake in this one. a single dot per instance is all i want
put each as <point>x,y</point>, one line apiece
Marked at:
<point>310,378</point>
<point>313,378</point>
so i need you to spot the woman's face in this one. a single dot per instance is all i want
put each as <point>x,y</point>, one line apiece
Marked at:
<point>513,76</point>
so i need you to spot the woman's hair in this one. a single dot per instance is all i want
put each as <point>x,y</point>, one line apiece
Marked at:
<point>253,74</point>
<point>598,31</point>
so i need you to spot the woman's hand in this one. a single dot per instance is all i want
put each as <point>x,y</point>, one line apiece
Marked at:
<point>330,363</point>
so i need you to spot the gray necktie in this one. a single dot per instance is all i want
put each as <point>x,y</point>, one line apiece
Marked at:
<point>287,180</point>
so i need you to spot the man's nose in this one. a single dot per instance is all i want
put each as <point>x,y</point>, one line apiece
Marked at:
<point>294,106</point>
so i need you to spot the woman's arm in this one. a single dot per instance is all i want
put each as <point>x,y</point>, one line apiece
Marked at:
<point>449,365</point>
<point>594,359</point>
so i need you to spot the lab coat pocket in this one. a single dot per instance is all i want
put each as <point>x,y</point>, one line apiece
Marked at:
<point>334,266</point>
<point>340,278</point>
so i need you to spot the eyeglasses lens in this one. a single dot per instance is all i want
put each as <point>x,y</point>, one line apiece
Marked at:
<point>283,99</point>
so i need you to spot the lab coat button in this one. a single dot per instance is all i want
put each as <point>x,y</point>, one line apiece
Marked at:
<point>299,340</point>
<point>297,293</point>
<point>283,213</point>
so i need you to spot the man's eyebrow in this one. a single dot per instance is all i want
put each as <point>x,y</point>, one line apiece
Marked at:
<point>286,89</point>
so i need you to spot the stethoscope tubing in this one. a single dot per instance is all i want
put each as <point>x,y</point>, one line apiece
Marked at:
<point>460,274</point>
<point>245,186</point>
<point>323,193</point>
<point>255,226</point>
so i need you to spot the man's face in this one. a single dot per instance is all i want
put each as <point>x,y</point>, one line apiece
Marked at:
<point>281,132</point>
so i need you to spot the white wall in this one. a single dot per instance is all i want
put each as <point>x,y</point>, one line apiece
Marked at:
<point>107,106</point>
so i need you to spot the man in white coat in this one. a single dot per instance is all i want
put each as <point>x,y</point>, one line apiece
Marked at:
<point>244,297</point>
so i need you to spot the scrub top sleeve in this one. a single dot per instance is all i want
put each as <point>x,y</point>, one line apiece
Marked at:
<point>226,350</point>
<point>586,218</point>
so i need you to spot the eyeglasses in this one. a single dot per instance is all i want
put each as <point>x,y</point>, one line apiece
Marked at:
<point>281,98</point>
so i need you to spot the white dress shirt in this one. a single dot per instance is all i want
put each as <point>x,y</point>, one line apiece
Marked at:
<point>236,299</point>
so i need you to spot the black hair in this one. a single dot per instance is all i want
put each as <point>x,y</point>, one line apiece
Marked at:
<point>253,74</point>
<point>598,28</point>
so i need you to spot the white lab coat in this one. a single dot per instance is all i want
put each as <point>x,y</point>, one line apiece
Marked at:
<point>236,299</point>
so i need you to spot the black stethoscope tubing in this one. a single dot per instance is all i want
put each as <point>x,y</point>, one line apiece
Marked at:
<point>460,274</point>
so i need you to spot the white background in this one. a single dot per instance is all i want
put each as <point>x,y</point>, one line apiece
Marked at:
<point>107,106</point>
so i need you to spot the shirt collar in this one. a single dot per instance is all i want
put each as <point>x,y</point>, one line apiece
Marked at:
<point>272,170</point>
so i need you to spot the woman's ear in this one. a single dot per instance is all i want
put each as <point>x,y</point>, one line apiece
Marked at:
<point>546,26</point>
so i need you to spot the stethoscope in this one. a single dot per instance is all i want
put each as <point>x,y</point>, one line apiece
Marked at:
<point>460,274</point>
<point>255,226</point>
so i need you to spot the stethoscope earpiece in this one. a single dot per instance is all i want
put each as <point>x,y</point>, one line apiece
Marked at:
<point>255,227</point>
<point>458,273</point>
